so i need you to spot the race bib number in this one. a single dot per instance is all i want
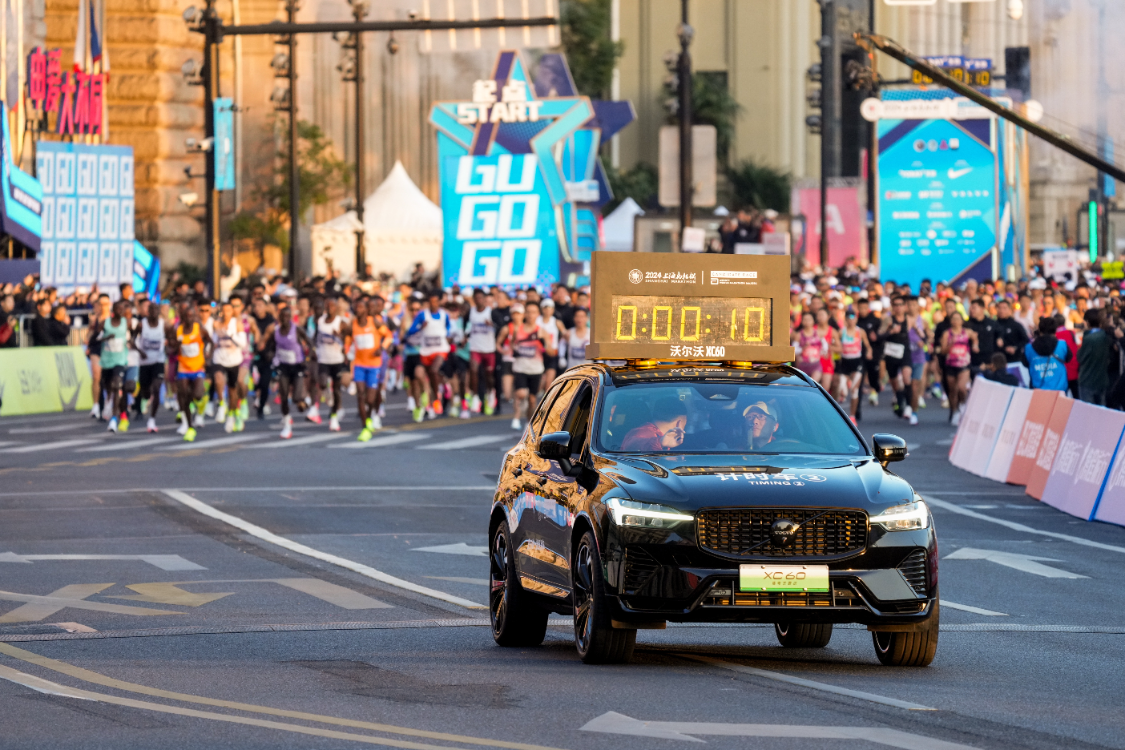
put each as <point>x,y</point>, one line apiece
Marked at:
<point>287,356</point>
<point>115,345</point>
<point>151,345</point>
<point>893,350</point>
<point>365,341</point>
<point>433,341</point>
<point>190,350</point>
<point>527,350</point>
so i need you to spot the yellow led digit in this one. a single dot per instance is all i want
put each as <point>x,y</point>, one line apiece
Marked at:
<point>734,324</point>
<point>760,335</point>
<point>668,329</point>
<point>683,323</point>
<point>633,325</point>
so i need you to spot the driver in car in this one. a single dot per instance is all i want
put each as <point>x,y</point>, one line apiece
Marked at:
<point>664,432</point>
<point>761,423</point>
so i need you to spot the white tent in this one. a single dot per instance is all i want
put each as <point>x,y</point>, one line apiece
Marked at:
<point>401,227</point>
<point>617,228</point>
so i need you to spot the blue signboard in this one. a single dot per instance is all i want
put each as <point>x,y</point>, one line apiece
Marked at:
<point>937,198</point>
<point>88,215</point>
<point>222,151</point>
<point>21,195</point>
<point>146,272</point>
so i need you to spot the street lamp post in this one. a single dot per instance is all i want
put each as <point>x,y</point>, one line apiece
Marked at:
<point>359,9</point>
<point>210,92</point>
<point>829,115</point>
<point>291,8</point>
<point>687,191</point>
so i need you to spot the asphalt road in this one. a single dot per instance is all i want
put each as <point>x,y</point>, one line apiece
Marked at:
<point>243,592</point>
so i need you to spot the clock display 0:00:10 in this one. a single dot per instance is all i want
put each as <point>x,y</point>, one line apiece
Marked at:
<point>703,320</point>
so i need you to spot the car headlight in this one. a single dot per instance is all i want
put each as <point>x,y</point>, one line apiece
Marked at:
<point>905,517</point>
<point>632,513</point>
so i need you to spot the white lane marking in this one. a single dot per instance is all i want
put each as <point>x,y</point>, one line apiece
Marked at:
<point>459,579</point>
<point>36,447</point>
<point>982,507</point>
<point>5,443</point>
<point>823,687</point>
<point>379,442</point>
<point>1026,563</point>
<point>164,562</point>
<point>913,446</point>
<point>945,443</point>
<point>340,596</point>
<point>455,549</point>
<point>37,430</point>
<point>293,443</point>
<point>468,442</point>
<point>612,722</point>
<point>937,503</point>
<point>215,442</point>
<point>972,610</point>
<point>360,488</point>
<point>268,536</point>
<point>130,445</point>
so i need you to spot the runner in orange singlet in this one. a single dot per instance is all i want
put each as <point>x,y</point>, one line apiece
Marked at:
<point>188,342</point>
<point>372,338</point>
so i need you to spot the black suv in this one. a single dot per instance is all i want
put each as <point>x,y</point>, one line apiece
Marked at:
<point>707,493</point>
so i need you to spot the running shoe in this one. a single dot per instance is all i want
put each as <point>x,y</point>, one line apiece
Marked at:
<point>475,405</point>
<point>955,419</point>
<point>489,405</point>
<point>873,398</point>
<point>266,410</point>
<point>516,424</point>
<point>286,428</point>
<point>341,413</point>
<point>313,414</point>
<point>454,409</point>
<point>333,423</point>
<point>209,409</point>
<point>183,428</point>
<point>944,402</point>
<point>189,436</point>
<point>907,412</point>
<point>244,410</point>
<point>112,427</point>
<point>221,414</point>
<point>152,425</point>
<point>123,422</point>
<point>239,424</point>
<point>921,403</point>
<point>365,435</point>
<point>229,426</point>
<point>95,412</point>
<point>466,412</point>
<point>436,407</point>
<point>913,419</point>
<point>935,391</point>
<point>410,404</point>
<point>418,413</point>
<point>375,423</point>
<point>107,411</point>
<point>351,388</point>
<point>382,410</point>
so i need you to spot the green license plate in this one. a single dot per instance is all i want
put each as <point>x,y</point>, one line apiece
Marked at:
<point>783,578</point>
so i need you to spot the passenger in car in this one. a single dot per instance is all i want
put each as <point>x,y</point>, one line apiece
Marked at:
<point>762,421</point>
<point>664,432</point>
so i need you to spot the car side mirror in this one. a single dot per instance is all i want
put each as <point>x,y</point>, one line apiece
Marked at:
<point>888,448</point>
<point>554,446</point>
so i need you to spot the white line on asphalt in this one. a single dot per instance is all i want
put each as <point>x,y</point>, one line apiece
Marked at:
<point>130,445</point>
<point>215,442</point>
<point>455,549</point>
<point>37,430</point>
<point>269,536</point>
<point>468,442</point>
<point>1025,563</point>
<point>824,687</point>
<point>379,442</point>
<point>5,443</point>
<point>973,610</point>
<point>362,488</point>
<point>953,507</point>
<point>164,562</point>
<point>459,579</point>
<point>293,443</point>
<point>36,447</point>
<point>612,722</point>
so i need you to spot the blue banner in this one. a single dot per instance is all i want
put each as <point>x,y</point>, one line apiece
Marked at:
<point>21,195</point>
<point>222,151</point>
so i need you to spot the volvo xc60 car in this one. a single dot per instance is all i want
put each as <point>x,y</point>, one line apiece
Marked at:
<point>646,493</point>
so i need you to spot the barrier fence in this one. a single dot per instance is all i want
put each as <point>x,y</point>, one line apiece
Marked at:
<point>44,379</point>
<point>1067,453</point>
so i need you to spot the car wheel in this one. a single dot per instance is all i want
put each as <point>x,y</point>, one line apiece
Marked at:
<point>803,634</point>
<point>915,649</point>
<point>597,641</point>
<point>516,621</point>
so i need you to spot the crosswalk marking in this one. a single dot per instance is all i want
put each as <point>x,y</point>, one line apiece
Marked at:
<point>129,445</point>
<point>310,440</point>
<point>34,447</point>
<point>402,437</point>
<point>468,442</point>
<point>216,442</point>
<point>38,430</point>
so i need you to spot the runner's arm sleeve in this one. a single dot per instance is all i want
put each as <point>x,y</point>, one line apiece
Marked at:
<point>417,323</point>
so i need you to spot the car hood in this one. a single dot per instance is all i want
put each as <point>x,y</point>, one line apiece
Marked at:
<point>691,482</point>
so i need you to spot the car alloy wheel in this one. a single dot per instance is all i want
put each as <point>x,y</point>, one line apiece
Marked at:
<point>595,638</point>
<point>516,619</point>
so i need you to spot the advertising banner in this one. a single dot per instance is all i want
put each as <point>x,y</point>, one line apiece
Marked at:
<point>44,379</point>
<point>1110,506</point>
<point>847,223</point>
<point>222,150</point>
<point>994,407</point>
<point>1031,435</point>
<point>21,195</point>
<point>1000,463</point>
<point>87,215</point>
<point>1049,447</point>
<point>1085,451</point>
<point>968,432</point>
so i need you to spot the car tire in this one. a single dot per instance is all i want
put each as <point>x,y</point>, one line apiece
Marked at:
<point>516,620</point>
<point>803,634</point>
<point>595,638</point>
<point>915,649</point>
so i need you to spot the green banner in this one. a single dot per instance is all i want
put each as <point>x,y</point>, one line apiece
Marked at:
<point>43,379</point>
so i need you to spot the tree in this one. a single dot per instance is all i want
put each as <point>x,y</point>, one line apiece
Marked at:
<point>640,183</point>
<point>712,104</point>
<point>590,51</point>
<point>759,186</point>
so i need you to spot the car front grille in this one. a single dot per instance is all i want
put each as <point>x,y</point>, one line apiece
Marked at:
<point>726,594</point>
<point>640,566</point>
<point>913,569</point>
<point>745,532</point>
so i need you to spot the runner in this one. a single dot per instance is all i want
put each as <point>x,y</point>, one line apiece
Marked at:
<point>227,357</point>
<point>210,392</point>
<point>854,350</point>
<point>456,367</point>
<point>434,326</point>
<point>895,334</point>
<point>263,352</point>
<point>578,338</point>
<point>958,344</point>
<point>188,344</point>
<point>150,340</point>
<point>252,335</point>
<point>809,346</point>
<point>102,311</point>
<point>482,355</point>
<point>831,347</point>
<point>552,330</point>
<point>372,340</point>
<point>114,338</point>
<point>310,311</point>
<point>133,314</point>
<point>411,359</point>
<point>290,343</point>
<point>868,320</point>
<point>332,333</point>
<point>527,346</point>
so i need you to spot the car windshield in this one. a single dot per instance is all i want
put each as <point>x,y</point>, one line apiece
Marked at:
<point>687,417</point>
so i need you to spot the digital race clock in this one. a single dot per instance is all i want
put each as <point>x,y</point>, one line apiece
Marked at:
<point>690,307</point>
